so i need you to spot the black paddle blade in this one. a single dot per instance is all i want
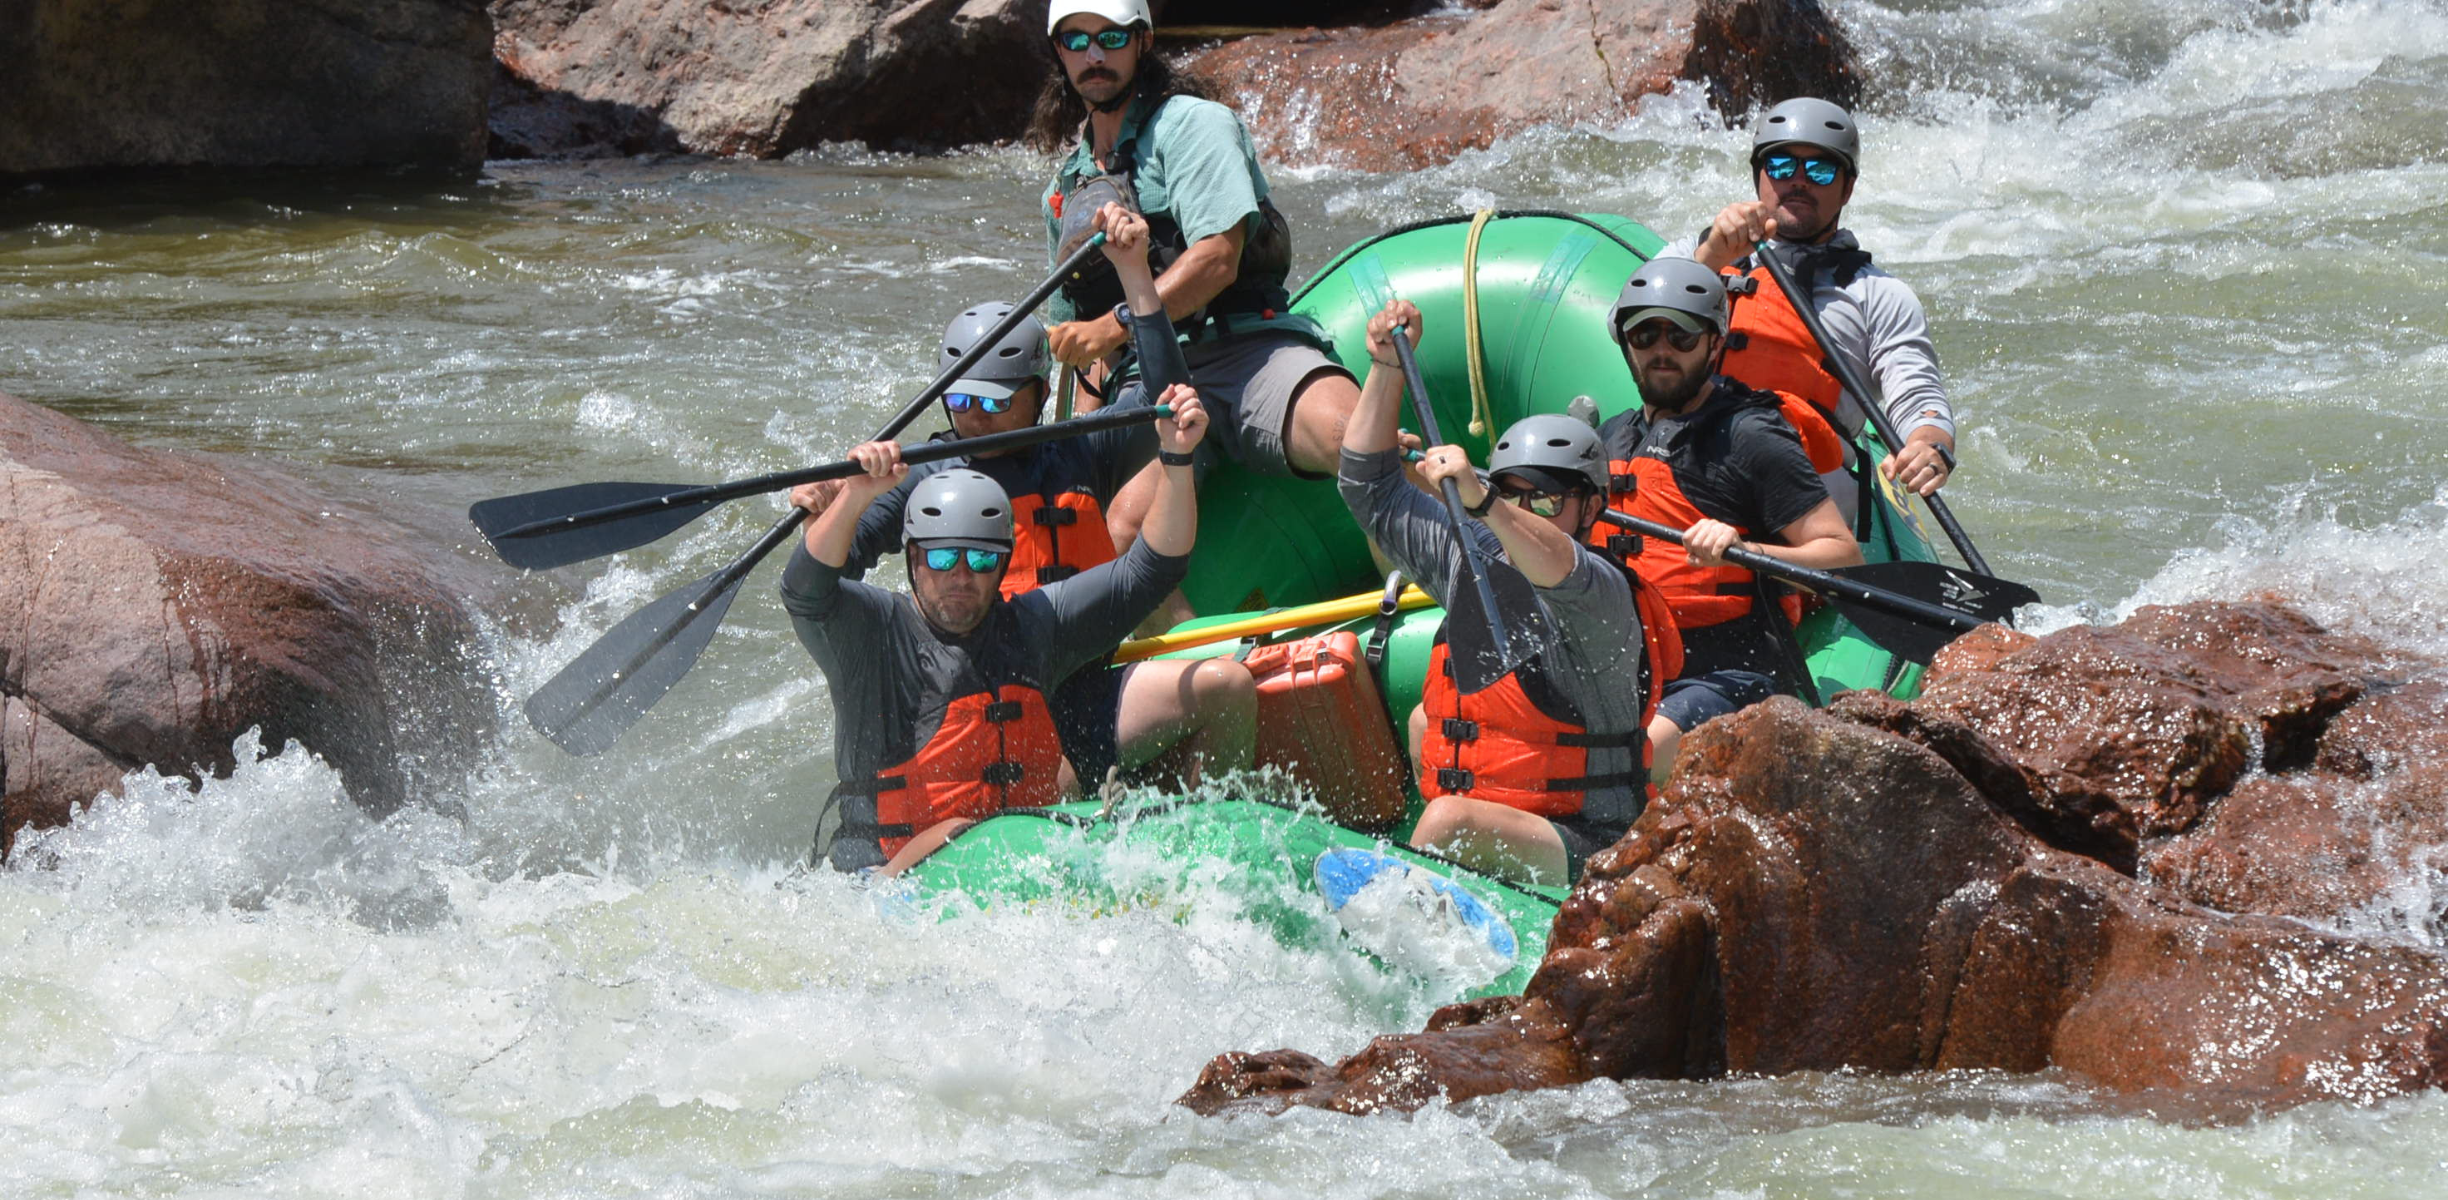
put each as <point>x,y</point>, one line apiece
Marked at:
<point>1478,659</point>
<point>1984,596</point>
<point>501,519</point>
<point>596,698</point>
<point>1977,598</point>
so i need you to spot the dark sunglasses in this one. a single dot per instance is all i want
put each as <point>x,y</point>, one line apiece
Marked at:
<point>1821,171</point>
<point>960,402</point>
<point>1648,333</point>
<point>981,562</point>
<point>1075,40</point>
<point>1539,504</point>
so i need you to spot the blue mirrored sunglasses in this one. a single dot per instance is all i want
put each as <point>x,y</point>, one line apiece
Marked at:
<point>1821,171</point>
<point>981,562</point>
<point>960,402</point>
<point>1075,40</point>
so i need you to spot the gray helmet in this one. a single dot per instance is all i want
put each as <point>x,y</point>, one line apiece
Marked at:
<point>1812,122</point>
<point>1015,360</point>
<point>958,507</point>
<point>1678,289</point>
<point>1552,452</point>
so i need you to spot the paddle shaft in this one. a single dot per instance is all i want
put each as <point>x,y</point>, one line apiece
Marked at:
<point>1811,577</point>
<point>1425,413</point>
<point>729,577</point>
<point>1324,612</point>
<point>924,453</point>
<point>1862,395</point>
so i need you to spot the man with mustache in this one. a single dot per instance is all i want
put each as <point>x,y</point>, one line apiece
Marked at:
<point>1145,138</point>
<point>1707,454</point>
<point>1804,163</point>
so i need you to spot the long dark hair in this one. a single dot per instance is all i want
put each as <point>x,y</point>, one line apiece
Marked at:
<point>1060,110</point>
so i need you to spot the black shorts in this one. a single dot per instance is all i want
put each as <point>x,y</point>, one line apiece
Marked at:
<point>1582,839</point>
<point>1695,700</point>
<point>1087,708</point>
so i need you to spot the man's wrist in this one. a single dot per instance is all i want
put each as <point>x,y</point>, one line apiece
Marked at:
<point>1176,458</point>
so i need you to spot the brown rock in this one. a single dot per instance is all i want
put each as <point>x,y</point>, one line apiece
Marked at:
<point>1855,904</point>
<point>767,78</point>
<point>1421,92</point>
<point>107,84</point>
<point>2388,729</point>
<point>2102,719</point>
<point>154,606</point>
<point>2280,668</point>
<point>2316,846</point>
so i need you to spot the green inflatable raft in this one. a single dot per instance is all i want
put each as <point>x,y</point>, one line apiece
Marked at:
<point>1514,308</point>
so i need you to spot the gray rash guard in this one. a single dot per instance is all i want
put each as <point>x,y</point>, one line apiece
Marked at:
<point>887,667</point>
<point>1594,661</point>
<point>1878,327</point>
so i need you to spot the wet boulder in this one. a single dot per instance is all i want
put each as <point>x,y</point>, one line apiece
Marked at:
<point>98,85</point>
<point>1882,887</point>
<point>155,605</point>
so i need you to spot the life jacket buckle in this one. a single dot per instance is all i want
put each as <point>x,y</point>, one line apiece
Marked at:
<point>1459,730</point>
<point>1626,546</point>
<point>1003,712</point>
<point>1625,483</point>
<point>1005,773</point>
<point>1454,779</point>
<point>1056,573</point>
<point>1055,514</point>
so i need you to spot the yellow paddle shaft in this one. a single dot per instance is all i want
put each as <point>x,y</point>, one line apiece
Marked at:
<point>1324,612</point>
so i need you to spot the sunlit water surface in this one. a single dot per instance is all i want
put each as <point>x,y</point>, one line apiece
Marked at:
<point>2187,262</point>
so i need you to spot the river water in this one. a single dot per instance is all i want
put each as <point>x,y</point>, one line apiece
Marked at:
<point>2187,262</point>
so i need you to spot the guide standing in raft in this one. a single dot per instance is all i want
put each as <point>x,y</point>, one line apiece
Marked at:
<point>1805,159</point>
<point>1222,251</point>
<point>939,697</point>
<point>1530,776</point>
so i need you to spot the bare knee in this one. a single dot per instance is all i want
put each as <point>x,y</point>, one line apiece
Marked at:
<point>1440,821</point>
<point>1664,741</point>
<point>1418,731</point>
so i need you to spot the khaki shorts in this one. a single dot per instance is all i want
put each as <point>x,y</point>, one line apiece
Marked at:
<point>1248,383</point>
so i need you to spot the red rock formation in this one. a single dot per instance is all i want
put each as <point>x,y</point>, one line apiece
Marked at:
<point>103,84</point>
<point>623,76</point>
<point>154,606</point>
<point>1874,888</point>
<point>1418,93</point>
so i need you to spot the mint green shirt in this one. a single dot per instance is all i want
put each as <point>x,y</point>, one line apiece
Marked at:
<point>1195,163</point>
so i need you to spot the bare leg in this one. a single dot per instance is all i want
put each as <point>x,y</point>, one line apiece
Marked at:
<point>1418,729</point>
<point>928,841</point>
<point>1321,406</point>
<point>1190,719</point>
<point>1664,740</point>
<point>1486,836</point>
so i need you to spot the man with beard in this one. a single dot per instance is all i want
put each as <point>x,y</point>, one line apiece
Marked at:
<point>1804,162</point>
<point>940,717</point>
<point>1706,454</point>
<point>1222,251</point>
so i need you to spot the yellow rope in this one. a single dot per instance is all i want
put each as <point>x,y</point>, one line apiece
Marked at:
<point>1470,324</point>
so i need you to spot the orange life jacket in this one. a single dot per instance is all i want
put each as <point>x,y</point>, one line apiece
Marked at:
<point>991,750</point>
<point>1501,745</point>
<point>1054,538</point>
<point>1644,486</point>
<point>1776,351</point>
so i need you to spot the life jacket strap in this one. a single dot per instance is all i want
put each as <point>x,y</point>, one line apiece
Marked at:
<point>1004,773</point>
<point>1591,783</point>
<point>1003,712</point>
<point>1055,514</point>
<point>1458,730</point>
<point>1630,739</point>
<point>1055,572</point>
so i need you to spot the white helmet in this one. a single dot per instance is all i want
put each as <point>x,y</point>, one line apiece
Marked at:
<point>959,507</point>
<point>1120,12</point>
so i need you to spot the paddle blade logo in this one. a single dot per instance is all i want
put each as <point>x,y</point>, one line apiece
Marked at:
<point>1414,918</point>
<point>1959,592</point>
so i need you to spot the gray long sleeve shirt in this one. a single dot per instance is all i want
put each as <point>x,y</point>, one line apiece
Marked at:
<point>1879,329</point>
<point>1594,660</point>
